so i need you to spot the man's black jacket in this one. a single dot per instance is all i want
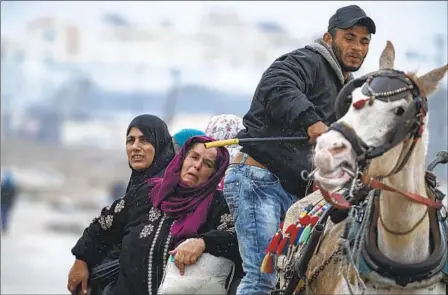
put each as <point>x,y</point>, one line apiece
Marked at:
<point>296,91</point>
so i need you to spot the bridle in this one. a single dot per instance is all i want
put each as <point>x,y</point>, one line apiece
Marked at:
<point>409,126</point>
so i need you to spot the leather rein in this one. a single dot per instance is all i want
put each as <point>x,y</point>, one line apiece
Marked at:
<point>409,127</point>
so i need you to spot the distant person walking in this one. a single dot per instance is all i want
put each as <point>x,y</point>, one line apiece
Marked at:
<point>8,194</point>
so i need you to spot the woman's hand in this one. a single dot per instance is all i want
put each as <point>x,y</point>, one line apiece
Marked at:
<point>79,274</point>
<point>188,253</point>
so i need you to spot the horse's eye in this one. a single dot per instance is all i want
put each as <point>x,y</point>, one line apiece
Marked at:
<point>399,111</point>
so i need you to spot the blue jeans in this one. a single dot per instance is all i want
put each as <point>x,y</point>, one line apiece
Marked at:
<point>257,201</point>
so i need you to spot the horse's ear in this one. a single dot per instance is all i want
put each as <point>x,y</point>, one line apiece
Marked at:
<point>428,82</point>
<point>387,57</point>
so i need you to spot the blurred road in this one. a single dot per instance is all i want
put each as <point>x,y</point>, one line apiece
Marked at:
<point>35,259</point>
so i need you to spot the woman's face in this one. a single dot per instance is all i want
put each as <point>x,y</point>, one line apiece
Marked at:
<point>199,164</point>
<point>139,150</point>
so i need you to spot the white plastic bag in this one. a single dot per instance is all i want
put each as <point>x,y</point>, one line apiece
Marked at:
<point>207,276</point>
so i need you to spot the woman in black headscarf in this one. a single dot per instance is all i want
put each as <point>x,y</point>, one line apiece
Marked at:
<point>149,149</point>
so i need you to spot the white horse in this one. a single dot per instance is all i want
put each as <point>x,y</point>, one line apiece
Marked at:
<point>386,124</point>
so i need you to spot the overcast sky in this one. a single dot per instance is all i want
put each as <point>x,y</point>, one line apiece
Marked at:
<point>410,25</point>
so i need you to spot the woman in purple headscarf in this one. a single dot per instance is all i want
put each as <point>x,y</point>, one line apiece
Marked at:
<point>151,225</point>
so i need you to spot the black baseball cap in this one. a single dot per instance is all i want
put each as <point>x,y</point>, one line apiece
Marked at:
<point>348,16</point>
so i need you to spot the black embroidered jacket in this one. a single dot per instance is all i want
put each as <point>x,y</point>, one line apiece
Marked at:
<point>145,235</point>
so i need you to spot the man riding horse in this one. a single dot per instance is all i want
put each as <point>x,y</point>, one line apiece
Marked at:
<point>371,164</point>
<point>295,97</point>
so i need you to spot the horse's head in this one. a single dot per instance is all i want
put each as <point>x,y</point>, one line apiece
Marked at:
<point>388,107</point>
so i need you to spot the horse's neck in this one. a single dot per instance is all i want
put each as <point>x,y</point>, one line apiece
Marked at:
<point>399,215</point>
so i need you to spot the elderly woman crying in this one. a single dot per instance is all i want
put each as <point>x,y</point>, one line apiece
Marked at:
<point>182,214</point>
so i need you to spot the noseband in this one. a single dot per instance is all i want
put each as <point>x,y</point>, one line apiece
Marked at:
<point>408,126</point>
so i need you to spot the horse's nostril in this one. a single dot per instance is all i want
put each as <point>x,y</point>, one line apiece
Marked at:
<point>324,160</point>
<point>338,147</point>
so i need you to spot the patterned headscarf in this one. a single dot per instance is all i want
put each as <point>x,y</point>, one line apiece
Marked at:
<point>225,126</point>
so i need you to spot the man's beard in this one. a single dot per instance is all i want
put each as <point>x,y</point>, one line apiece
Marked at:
<point>338,52</point>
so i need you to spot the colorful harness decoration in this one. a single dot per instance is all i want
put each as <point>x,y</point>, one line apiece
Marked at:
<point>296,235</point>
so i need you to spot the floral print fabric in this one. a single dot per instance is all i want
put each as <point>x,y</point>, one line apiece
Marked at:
<point>225,126</point>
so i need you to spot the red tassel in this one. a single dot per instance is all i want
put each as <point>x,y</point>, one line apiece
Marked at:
<point>281,225</point>
<point>293,235</point>
<point>282,245</point>
<point>291,227</point>
<point>314,220</point>
<point>274,242</point>
<point>360,104</point>
<point>305,220</point>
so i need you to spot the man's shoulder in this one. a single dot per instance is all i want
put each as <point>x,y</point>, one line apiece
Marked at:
<point>304,58</point>
<point>300,54</point>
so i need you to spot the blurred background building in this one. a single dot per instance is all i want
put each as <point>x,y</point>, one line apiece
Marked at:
<point>73,75</point>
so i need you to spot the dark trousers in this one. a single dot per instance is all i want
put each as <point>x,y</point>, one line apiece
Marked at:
<point>5,217</point>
